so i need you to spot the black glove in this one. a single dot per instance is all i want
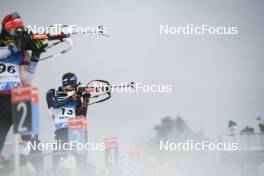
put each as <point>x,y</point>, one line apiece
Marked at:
<point>86,99</point>
<point>86,96</point>
<point>24,42</point>
<point>37,47</point>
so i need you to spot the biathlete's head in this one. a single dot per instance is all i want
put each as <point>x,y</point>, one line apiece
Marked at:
<point>12,24</point>
<point>69,81</point>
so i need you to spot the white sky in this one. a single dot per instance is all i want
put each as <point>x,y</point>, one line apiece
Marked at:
<point>214,78</point>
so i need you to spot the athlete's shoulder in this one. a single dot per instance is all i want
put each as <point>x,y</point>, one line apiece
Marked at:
<point>4,52</point>
<point>50,96</point>
<point>6,55</point>
<point>51,92</point>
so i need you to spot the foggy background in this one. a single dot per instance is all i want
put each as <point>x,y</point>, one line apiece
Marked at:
<point>215,78</point>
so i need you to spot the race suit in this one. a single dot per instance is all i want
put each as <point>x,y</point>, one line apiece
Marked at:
<point>16,68</point>
<point>61,108</point>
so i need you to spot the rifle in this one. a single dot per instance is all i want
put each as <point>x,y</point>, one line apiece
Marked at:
<point>103,91</point>
<point>53,40</point>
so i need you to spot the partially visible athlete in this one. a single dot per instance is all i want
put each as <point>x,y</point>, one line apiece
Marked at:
<point>17,67</point>
<point>64,103</point>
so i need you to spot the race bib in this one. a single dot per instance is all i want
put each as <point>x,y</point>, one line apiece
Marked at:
<point>60,116</point>
<point>9,72</point>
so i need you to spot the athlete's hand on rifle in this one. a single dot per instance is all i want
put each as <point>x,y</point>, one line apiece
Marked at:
<point>86,99</point>
<point>76,95</point>
<point>25,42</point>
<point>37,47</point>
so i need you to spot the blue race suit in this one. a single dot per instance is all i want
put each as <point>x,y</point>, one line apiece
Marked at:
<point>61,108</point>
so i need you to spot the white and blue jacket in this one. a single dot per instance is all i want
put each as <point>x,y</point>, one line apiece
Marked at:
<point>62,108</point>
<point>15,68</point>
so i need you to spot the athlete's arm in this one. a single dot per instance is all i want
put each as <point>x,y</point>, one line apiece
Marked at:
<point>29,66</point>
<point>52,101</point>
<point>27,70</point>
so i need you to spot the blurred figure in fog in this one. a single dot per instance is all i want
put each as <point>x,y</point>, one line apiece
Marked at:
<point>232,125</point>
<point>261,124</point>
<point>247,130</point>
